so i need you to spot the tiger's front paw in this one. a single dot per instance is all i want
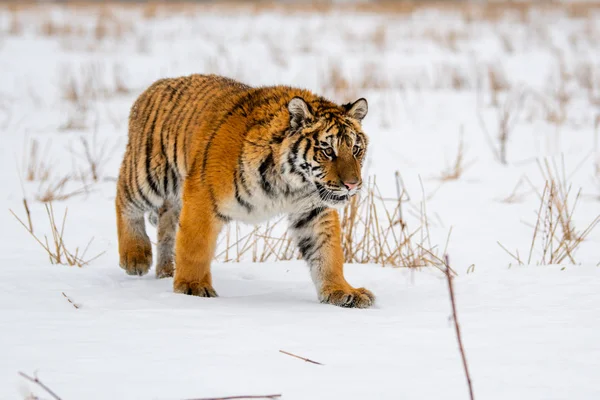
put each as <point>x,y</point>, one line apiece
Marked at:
<point>194,289</point>
<point>347,297</point>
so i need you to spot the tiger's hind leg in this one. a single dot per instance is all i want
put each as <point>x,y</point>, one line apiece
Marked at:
<point>168,220</point>
<point>135,250</point>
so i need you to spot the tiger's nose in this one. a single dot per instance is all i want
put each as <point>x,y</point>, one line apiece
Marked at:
<point>351,184</point>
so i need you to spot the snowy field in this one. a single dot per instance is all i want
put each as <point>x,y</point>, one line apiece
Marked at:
<point>484,121</point>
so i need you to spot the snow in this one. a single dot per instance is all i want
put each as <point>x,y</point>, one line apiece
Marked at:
<point>530,332</point>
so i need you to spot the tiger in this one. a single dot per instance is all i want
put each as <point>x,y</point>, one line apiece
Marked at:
<point>204,150</point>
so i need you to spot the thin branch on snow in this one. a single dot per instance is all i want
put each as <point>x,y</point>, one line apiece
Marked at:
<point>70,301</point>
<point>266,396</point>
<point>301,358</point>
<point>456,326</point>
<point>40,384</point>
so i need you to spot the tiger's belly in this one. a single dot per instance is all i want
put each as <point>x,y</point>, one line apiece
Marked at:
<point>261,208</point>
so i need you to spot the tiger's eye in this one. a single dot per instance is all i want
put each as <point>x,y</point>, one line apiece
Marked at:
<point>328,151</point>
<point>355,150</point>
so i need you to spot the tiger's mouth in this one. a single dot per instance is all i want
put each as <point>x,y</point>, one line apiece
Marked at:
<point>331,196</point>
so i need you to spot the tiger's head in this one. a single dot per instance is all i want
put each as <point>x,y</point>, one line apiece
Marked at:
<point>328,147</point>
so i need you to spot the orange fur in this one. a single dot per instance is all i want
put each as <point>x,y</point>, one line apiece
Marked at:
<point>205,149</point>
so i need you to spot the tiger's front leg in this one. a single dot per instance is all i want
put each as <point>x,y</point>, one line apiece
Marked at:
<point>196,241</point>
<point>318,236</point>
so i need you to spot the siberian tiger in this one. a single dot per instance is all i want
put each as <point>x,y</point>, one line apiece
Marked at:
<point>204,150</point>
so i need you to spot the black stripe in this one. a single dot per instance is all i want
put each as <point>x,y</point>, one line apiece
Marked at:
<point>222,217</point>
<point>199,96</point>
<point>263,170</point>
<point>174,120</point>
<point>149,140</point>
<point>241,174</point>
<point>236,106</point>
<point>239,199</point>
<point>163,132</point>
<point>134,185</point>
<point>131,202</point>
<point>144,198</point>
<point>305,246</point>
<point>278,137</point>
<point>239,104</point>
<point>307,218</point>
<point>292,156</point>
<point>308,146</point>
<point>325,237</point>
<point>325,193</point>
<point>174,182</point>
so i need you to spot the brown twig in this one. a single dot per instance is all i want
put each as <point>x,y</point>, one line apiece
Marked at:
<point>301,358</point>
<point>26,205</point>
<point>266,396</point>
<point>40,384</point>
<point>70,301</point>
<point>457,327</point>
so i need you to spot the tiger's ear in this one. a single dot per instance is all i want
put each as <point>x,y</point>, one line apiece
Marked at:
<point>300,112</point>
<point>357,110</point>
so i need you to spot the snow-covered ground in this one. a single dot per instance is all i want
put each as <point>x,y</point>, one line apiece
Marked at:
<point>529,331</point>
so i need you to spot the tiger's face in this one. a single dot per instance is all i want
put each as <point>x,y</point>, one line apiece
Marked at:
<point>329,149</point>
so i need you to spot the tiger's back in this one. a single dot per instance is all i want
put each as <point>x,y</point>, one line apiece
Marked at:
<point>161,123</point>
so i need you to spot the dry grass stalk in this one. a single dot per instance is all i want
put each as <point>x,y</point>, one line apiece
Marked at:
<point>596,151</point>
<point>71,301</point>
<point>57,251</point>
<point>52,28</point>
<point>450,278</point>
<point>458,168</point>
<point>56,191</point>
<point>555,237</point>
<point>16,25</point>
<point>379,36</point>
<point>517,195</point>
<point>498,83</point>
<point>336,82</point>
<point>37,166</point>
<point>121,86</point>
<point>507,117</point>
<point>76,121</point>
<point>301,358</point>
<point>81,88</point>
<point>36,380</point>
<point>242,397</point>
<point>109,25</point>
<point>373,231</point>
<point>94,154</point>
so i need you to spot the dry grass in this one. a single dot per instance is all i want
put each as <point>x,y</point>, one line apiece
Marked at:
<point>498,83</point>
<point>82,87</point>
<point>57,250</point>
<point>459,166</point>
<point>555,238</point>
<point>94,154</point>
<point>374,230</point>
<point>490,11</point>
<point>76,120</point>
<point>56,191</point>
<point>36,163</point>
<point>108,25</point>
<point>507,117</point>
<point>519,193</point>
